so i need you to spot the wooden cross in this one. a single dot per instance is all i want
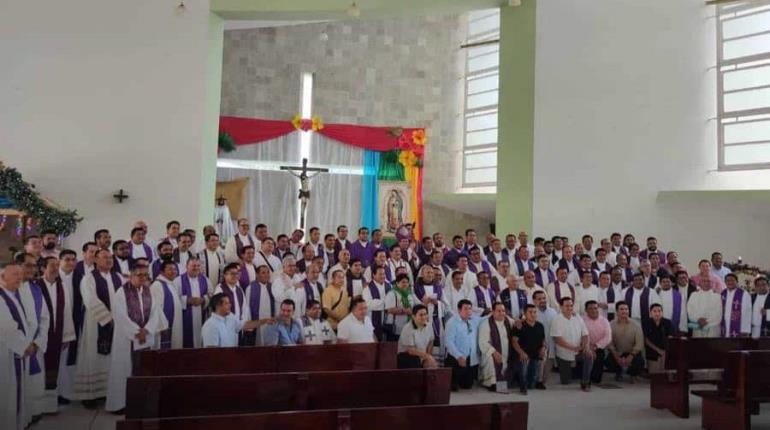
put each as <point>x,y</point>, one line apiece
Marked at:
<point>310,335</point>
<point>304,185</point>
<point>120,196</point>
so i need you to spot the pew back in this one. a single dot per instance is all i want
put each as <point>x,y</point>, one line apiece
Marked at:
<point>177,396</point>
<point>496,416</point>
<point>265,359</point>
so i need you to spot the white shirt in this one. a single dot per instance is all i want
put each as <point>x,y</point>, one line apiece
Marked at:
<point>231,249</point>
<point>745,311</point>
<point>586,294</point>
<point>271,261</point>
<point>452,297</point>
<point>757,318</point>
<point>570,330</point>
<point>221,331</point>
<point>417,338</point>
<point>721,272</point>
<point>351,330</point>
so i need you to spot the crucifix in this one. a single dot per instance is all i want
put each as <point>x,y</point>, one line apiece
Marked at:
<point>120,196</point>
<point>304,185</point>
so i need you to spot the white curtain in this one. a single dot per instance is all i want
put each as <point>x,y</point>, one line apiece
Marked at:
<point>271,196</point>
<point>334,197</point>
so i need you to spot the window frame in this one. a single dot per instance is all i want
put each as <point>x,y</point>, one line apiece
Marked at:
<point>487,38</point>
<point>724,66</point>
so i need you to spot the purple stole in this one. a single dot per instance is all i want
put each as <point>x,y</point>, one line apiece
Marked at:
<point>206,259</point>
<point>520,265</point>
<point>140,316</point>
<point>644,303</point>
<point>309,293</point>
<point>146,247</point>
<point>377,315</point>
<point>557,291</point>
<point>735,313</point>
<point>168,311</point>
<point>175,255</point>
<point>244,280</point>
<point>494,339</point>
<point>187,328</point>
<point>55,333</point>
<point>104,333</point>
<point>419,291</point>
<point>494,284</point>
<point>256,299</point>
<point>238,294</point>
<point>331,257</point>
<point>484,267</point>
<point>480,296</point>
<point>17,361</point>
<point>350,279</point>
<point>539,277</point>
<point>521,297</point>
<point>629,274</point>
<point>388,272</point>
<point>239,244</point>
<point>676,313</point>
<point>595,267</point>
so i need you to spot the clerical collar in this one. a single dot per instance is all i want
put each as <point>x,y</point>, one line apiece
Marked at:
<point>328,250</point>
<point>106,274</point>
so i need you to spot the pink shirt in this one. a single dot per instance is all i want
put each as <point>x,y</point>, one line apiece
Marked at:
<point>717,284</point>
<point>599,332</point>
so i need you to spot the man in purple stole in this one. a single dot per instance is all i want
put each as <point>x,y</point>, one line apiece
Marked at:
<point>165,253</point>
<point>165,294</point>
<point>431,293</point>
<point>78,310</point>
<point>436,262</point>
<point>230,288</point>
<point>194,289</point>
<point>482,297</point>
<point>360,248</point>
<point>673,305</point>
<point>425,250</point>
<point>61,330</point>
<point>374,296</point>
<point>736,309</point>
<point>639,297</point>
<point>137,246</point>
<point>559,288</point>
<point>39,320</point>
<point>495,347</point>
<point>307,290</point>
<point>342,241</point>
<point>121,257</point>
<point>652,248</point>
<point>521,263</point>
<point>248,270</point>
<point>17,348</point>
<point>261,298</point>
<point>543,274</point>
<point>234,246</point>
<point>376,244</point>
<point>514,298</point>
<point>496,253</point>
<point>451,256</point>
<point>760,326</point>
<point>476,264</point>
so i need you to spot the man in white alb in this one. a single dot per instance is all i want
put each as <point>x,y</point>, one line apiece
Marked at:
<point>235,245</point>
<point>314,330</point>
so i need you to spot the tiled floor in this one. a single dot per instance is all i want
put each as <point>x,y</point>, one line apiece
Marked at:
<point>626,408</point>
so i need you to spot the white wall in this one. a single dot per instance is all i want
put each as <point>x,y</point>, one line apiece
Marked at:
<point>101,95</point>
<point>625,96</point>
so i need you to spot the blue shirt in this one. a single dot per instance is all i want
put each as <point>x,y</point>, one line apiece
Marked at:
<point>289,335</point>
<point>462,338</point>
<point>221,331</point>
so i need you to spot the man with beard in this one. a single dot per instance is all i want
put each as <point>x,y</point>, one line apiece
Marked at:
<point>165,253</point>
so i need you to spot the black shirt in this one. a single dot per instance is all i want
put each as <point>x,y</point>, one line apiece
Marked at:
<point>658,335</point>
<point>531,338</point>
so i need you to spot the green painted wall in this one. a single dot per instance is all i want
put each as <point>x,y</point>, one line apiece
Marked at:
<point>516,120</point>
<point>211,126</point>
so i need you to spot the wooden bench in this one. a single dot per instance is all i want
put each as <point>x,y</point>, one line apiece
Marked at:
<point>745,384</point>
<point>692,360</point>
<point>496,416</point>
<point>265,359</point>
<point>179,396</point>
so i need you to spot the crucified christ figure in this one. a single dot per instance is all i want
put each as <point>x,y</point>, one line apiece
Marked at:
<point>304,185</point>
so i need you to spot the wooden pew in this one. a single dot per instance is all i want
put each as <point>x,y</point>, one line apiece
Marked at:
<point>495,416</point>
<point>178,396</point>
<point>745,384</point>
<point>671,390</point>
<point>265,359</point>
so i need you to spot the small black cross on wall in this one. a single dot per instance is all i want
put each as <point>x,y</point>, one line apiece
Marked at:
<point>120,196</point>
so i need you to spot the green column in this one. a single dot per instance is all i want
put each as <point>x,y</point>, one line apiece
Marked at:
<point>516,122</point>
<point>211,125</point>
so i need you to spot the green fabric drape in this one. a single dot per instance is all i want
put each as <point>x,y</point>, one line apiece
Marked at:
<point>390,168</point>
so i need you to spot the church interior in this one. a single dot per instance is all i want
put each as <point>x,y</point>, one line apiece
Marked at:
<point>496,158</point>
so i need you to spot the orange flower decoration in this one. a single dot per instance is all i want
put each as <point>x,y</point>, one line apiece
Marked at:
<point>297,122</point>
<point>419,137</point>
<point>408,158</point>
<point>317,124</point>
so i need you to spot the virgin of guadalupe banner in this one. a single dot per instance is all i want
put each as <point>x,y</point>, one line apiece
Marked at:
<point>395,206</point>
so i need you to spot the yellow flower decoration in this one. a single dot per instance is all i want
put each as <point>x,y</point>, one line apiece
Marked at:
<point>419,137</point>
<point>407,158</point>
<point>317,124</point>
<point>297,122</point>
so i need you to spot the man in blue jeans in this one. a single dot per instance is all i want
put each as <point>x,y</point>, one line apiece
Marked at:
<point>529,343</point>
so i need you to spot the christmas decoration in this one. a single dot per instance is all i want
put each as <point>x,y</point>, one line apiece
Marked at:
<point>226,142</point>
<point>27,200</point>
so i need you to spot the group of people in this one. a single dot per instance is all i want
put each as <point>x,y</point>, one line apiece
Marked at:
<point>501,314</point>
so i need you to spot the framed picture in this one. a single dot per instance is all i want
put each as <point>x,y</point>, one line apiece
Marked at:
<point>394,206</point>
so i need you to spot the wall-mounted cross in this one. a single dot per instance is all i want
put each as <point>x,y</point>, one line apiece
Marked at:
<point>120,196</point>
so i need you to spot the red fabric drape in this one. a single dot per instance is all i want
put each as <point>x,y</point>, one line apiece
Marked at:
<point>245,131</point>
<point>371,138</point>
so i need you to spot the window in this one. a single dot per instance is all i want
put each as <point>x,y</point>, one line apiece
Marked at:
<point>743,85</point>
<point>482,67</point>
